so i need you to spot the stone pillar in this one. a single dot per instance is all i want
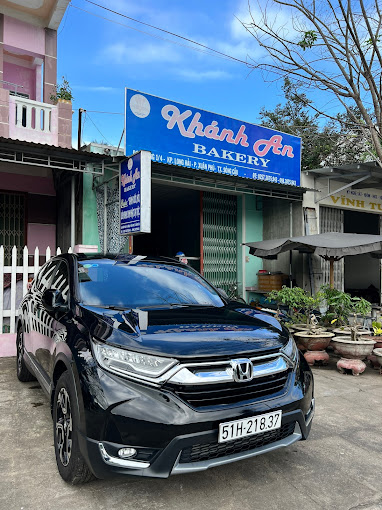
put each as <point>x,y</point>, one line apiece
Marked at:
<point>4,94</point>
<point>64,124</point>
<point>50,64</point>
<point>4,113</point>
<point>1,48</point>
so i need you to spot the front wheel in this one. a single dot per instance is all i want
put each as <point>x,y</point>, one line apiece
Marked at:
<point>70,462</point>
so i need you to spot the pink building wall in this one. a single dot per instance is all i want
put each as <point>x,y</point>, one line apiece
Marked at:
<point>26,37</point>
<point>27,184</point>
<point>25,77</point>
<point>41,235</point>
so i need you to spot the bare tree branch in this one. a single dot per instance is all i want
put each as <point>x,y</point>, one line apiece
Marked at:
<point>331,45</point>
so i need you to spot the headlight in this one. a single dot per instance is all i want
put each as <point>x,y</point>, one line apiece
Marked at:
<point>123,362</point>
<point>290,350</point>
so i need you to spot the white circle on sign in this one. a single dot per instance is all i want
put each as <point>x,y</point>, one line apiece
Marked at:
<point>130,164</point>
<point>140,106</point>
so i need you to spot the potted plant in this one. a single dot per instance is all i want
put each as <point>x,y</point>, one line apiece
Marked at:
<point>354,349</point>
<point>315,340</point>
<point>339,306</point>
<point>375,358</point>
<point>63,92</point>
<point>299,305</point>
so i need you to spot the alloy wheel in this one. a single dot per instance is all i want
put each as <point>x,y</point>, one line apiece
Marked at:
<point>64,427</point>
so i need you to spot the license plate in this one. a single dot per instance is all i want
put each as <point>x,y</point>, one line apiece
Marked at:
<point>249,426</point>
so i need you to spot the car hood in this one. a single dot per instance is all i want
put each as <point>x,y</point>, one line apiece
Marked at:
<point>188,332</point>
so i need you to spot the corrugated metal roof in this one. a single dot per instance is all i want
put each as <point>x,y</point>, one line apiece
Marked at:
<point>42,148</point>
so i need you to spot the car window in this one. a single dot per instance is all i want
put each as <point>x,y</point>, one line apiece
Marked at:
<point>143,284</point>
<point>60,280</point>
<point>44,276</point>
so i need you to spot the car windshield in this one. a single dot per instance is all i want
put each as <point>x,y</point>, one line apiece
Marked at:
<point>139,284</point>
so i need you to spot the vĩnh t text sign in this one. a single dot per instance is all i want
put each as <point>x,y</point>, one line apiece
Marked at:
<point>181,135</point>
<point>135,194</point>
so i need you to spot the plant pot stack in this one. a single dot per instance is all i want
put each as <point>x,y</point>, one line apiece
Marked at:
<point>353,352</point>
<point>314,342</point>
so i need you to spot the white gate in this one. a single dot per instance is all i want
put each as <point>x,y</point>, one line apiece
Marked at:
<point>14,282</point>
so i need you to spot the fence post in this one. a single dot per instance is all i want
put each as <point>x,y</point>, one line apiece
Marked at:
<point>25,270</point>
<point>13,289</point>
<point>1,287</point>
<point>36,261</point>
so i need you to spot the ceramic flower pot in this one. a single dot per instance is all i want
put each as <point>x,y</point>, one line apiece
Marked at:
<point>317,342</point>
<point>378,354</point>
<point>350,349</point>
<point>346,331</point>
<point>304,327</point>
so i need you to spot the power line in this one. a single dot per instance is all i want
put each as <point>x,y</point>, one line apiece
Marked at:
<point>149,33</point>
<point>103,136</point>
<point>205,47</point>
<point>109,113</point>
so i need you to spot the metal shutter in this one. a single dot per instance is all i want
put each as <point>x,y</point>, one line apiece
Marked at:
<point>220,239</point>
<point>332,220</point>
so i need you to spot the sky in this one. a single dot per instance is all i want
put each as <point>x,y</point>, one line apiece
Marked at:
<point>100,54</point>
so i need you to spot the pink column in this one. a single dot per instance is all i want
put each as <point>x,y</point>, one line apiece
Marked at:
<point>64,125</point>
<point>50,64</point>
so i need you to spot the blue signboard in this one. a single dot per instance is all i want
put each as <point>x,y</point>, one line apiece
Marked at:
<point>185,136</point>
<point>135,194</point>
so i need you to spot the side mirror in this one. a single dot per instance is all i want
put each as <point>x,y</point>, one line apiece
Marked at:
<point>223,293</point>
<point>53,301</point>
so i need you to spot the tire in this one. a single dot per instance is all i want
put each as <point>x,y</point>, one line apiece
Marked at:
<point>70,462</point>
<point>23,374</point>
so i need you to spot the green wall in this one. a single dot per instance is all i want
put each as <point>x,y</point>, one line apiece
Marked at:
<point>89,212</point>
<point>249,229</point>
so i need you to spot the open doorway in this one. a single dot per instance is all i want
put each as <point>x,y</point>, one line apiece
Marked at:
<point>362,272</point>
<point>175,224</point>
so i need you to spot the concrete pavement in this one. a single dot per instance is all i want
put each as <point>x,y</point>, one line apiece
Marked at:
<point>339,467</point>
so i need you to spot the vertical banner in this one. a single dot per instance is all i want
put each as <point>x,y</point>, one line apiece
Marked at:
<point>135,194</point>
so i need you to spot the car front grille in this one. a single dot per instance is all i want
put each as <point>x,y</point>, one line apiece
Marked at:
<point>200,452</point>
<point>225,394</point>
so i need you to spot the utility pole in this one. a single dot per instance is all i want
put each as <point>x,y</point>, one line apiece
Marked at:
<point>80,112</point>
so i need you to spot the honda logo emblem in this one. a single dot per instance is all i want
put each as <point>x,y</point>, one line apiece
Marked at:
<point>242,369</point>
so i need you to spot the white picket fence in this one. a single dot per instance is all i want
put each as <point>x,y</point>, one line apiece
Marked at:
<point>10,297</point>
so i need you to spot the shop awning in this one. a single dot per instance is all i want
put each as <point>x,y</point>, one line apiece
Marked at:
<point>330,246</point>
<point>50,156</point>
<point>354,175</point>
<point>201,179</point>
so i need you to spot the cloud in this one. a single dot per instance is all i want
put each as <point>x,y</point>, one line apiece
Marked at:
<point>96,88</point>
<point>122,53</point>
<point>193,75</point>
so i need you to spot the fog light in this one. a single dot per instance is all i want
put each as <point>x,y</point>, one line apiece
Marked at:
<point>127,452</point>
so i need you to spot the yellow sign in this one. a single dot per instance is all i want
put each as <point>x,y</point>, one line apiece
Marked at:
<point>366,200</point>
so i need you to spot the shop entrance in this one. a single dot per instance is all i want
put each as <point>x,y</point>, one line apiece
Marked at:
<point>362,272</point>
<point>203,225</point>
<point>175,224</point>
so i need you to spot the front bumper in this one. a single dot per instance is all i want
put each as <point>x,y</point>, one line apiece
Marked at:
<point>170,435</point>
<point>104,462</point>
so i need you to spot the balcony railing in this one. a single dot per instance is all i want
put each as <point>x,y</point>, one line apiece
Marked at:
<point>33,121</point>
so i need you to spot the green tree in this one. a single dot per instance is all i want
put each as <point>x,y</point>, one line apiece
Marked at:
<point>294,117</point>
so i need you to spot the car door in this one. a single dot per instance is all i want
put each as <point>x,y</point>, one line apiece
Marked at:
<point>56,329</point>
<point>36,323</point>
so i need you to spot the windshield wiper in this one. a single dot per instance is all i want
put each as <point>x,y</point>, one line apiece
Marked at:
<point>110,307</point>
<point>193,304</point>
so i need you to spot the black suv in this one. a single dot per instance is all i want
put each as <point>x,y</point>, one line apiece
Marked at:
<point>151,371</point>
